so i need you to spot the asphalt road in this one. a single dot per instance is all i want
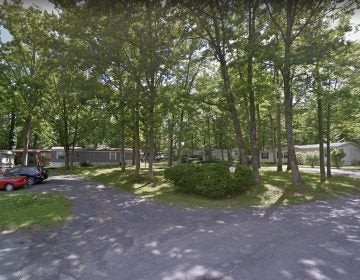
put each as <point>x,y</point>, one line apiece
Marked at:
<point>115,235</point>
<point>334,171</point>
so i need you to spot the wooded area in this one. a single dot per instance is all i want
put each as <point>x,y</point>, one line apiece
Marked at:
<point>171,76</point>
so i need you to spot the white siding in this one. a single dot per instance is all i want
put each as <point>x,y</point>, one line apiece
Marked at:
<point>352,154</point>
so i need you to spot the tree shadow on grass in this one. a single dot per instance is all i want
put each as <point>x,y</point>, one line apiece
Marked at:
<point>126,181</point>
<point>313,189</point>
<point>275,190</point>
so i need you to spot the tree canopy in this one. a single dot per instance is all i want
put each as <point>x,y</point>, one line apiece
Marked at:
<point>175,76</point>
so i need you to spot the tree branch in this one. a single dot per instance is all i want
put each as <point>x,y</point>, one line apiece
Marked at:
<point>268,8</point>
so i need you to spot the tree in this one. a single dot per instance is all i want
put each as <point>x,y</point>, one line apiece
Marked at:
<point>215,28</point>
<point>74,103</point>
<point>24,56</point>
<point>252,9</point>
<point>291,18</point>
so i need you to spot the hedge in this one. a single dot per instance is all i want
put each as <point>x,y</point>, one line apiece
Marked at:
<point>211,180</point>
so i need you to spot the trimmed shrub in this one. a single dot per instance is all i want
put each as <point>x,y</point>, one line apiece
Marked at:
<point>211,180</point>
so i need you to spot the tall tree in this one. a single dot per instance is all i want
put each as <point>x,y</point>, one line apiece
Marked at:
<point>252,9</point>
<point>291,18</point>
<point>25,58</point>
<point>214,26</point>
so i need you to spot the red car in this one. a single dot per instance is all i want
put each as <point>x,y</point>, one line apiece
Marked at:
<point>10,183</point>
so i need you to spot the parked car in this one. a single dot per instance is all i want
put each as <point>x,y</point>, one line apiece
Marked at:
<point>10,183</point>
<point>44,171</point>
<point>194,158</point>
<point>160,156</point>
<point>34,174</point>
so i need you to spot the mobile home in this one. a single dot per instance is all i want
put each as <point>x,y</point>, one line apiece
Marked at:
<point>80,155</point>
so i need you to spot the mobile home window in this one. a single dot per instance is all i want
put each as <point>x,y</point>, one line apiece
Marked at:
<point>60,154</point>
<point>285,155</point>
<point>112,156</point>
<point>264,155</point>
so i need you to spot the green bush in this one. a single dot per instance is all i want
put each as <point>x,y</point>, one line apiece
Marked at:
<point>337,157</point>
<point>211,180</point>
<point>312,158</point>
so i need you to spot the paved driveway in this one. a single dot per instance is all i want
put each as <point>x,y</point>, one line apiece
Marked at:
<point>114,235</point>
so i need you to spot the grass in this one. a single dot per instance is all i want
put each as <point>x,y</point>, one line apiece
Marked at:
<point>276,188</point>
<point>24,210</point>
<point>351,167</point>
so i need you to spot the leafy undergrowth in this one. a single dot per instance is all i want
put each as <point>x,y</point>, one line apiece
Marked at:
<point>276,188</point>
<point>24,210</point>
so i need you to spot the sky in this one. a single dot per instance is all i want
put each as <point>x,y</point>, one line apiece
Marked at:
<point>45,4</point>
<point>356,21</point>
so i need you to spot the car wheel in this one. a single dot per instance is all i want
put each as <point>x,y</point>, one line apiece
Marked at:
<point>9,187</point>
<point>30,181</point>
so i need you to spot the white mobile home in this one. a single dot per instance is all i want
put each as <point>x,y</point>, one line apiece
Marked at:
<point>90,156</point>
<point>351,150</point>
<point>267,156</point>
<point>210,154</point>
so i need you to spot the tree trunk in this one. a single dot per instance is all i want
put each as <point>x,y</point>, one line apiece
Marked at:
<point>65,134</point>
<point>260,139</point>
<point>133,117</point>
<point>221,138</point>
<point>273,136</point>
<point>133,150</point>
<point>74,139</point>
<point>151,136</point>
<point>209,137</point>
<point>12,132</point>
<point>180,136</point>
<point>253,137</point>
<point>328,127</point>
<point>319,99</point>
<point>171,151</point>
<point>288,98</point>
<point>72,153</point>
<point>243,158</point>
<point>296,178</point>
<point>122,139</point>
<point>137,145</point>
<point>35,141</point>
<point>26,138</point>
<point>279,162</point>
<point>171,142</point>
<point>219,48</point>
<point>67,156</point>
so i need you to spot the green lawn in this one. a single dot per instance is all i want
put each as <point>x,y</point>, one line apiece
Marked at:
<point>352,167</point>
<point>25,210</point>
<point>276,188</point>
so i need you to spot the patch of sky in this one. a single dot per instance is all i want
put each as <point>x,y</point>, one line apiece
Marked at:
<point>4,35</point>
